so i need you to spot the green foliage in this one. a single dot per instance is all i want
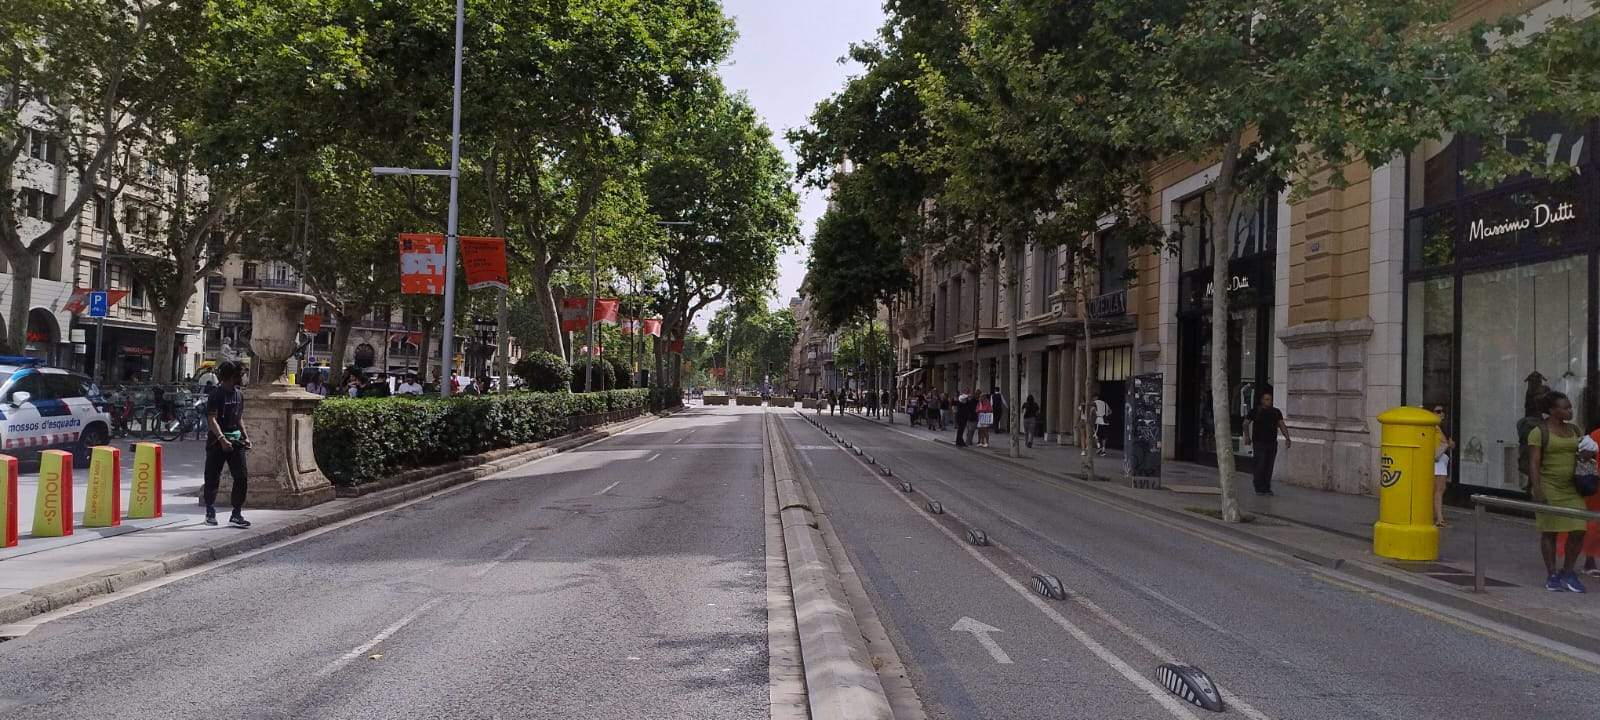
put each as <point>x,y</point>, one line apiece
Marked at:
<point>861,349</point>
<point>855,264</point>
<point>761,341</point>
<point>621,372</point>
<point>543,371</point>
<point>363,440</point>
<point>601,374</point>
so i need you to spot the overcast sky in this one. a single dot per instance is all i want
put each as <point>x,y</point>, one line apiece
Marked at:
<point>786,60</point>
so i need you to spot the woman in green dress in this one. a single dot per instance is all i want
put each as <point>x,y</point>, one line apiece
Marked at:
<point>1553,451</point>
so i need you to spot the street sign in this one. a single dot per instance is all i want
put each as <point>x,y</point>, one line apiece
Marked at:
<point>98,305</point>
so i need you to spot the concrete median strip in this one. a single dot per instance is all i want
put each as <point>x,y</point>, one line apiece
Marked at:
<point>841,680</point>
<point>17,607</point>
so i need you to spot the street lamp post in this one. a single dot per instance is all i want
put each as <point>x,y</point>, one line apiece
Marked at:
<point>447,340</point>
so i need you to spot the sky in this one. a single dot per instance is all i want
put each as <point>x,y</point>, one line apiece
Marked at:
<point>787,60</point>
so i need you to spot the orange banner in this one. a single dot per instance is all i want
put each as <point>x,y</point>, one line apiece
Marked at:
<point>422,264</point>
<point>485,261</point>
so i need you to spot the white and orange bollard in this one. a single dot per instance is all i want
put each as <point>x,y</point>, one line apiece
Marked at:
<point>8,502</point>
<point>103,506</point>
<point>145,499</point>
<point>52,509</point>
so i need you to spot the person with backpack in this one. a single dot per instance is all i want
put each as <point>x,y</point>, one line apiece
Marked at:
<point>1030,417</point>
<point>1552,460</point>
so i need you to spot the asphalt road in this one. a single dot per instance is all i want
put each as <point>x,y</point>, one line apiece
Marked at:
<point>622,580</point>
<point>1284,642</point>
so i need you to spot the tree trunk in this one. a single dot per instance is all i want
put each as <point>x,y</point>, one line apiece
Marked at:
<point>544,301</point>
<point>342,325</point>
<point>166,344</point>
<point>424,354</point>
<point>977,315</point>
<point>22,266</point>
<point>1014,380</point>
<point>1221,253</point>
<point>167,321</point>
<point>1086,420</point>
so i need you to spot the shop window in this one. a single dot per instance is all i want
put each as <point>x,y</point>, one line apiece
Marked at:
<point>1113,364</point>
<point>1430,342</point>
<point>1517,324</point>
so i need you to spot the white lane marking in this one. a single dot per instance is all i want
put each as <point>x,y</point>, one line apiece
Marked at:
<point>383,635</point>
<point>679,440</point>
<point>1149,645</point>
<point>1173,706</point>
<point>514,549</point>
<point>607,488</point>
<point>652,458</point>
<point>26,626</point>
<point>980,632</point>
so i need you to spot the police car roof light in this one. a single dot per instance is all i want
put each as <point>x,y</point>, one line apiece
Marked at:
<point>20,360</point>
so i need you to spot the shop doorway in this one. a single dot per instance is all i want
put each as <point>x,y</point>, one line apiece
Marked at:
<point>1249,374</point>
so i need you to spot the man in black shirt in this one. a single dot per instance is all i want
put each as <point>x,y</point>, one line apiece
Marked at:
<point>1261,427</point>
<point>226,443</point>
<point>966,414</point>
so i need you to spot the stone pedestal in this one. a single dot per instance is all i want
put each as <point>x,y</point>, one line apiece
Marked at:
<point>283,470</point>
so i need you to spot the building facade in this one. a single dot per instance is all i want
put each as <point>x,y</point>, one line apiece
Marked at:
<point>1409,285</point>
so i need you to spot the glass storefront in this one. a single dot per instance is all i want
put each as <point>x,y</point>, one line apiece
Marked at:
<point>1500,301</point>
<point>1250,297</point>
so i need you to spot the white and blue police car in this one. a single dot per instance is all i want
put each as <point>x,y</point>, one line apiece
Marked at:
<point>49,408</point>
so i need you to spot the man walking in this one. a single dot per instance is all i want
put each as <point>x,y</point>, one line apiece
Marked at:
<point>961,419</point>
<point>1266,422</point>
<point>226,443</point>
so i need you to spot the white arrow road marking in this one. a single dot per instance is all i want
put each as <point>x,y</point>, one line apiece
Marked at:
<point>981,632</point>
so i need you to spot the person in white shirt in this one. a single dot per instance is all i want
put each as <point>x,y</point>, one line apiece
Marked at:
<point>410,386</point>
<point>1102,414</point>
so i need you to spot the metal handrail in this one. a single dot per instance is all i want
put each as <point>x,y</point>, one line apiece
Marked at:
<point>1480,503</point>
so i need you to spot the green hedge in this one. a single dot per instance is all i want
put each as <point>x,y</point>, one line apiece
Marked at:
<point>365,439</point>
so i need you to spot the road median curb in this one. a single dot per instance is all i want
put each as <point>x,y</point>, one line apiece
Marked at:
<point>841,682</point>
<point>54,596</point>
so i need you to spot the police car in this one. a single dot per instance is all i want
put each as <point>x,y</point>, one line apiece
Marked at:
<point>48,408</point>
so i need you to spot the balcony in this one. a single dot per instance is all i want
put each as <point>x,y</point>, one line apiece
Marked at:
<point>267,283</point>
<point>236,317</point>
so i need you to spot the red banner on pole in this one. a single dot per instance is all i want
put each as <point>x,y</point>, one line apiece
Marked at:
<point>485,261</point>
<point>574,313</point>
<point>422,264</point>
<point>313,323</point>
<point>675,346</point>
<point>79,300</point>
<point>607,310</point>
<point>652,326</point>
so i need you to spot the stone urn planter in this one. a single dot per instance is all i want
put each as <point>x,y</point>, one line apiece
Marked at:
<point>283,469</point>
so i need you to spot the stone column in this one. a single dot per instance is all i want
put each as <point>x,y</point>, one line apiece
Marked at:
<point>283,470</point>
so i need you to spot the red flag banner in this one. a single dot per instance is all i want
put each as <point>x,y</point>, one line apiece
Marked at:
<point>652,326</point>
<point>675,346</point>
<point>79,300</point>
<point>574,313</point>
<point>313,323</point>
<point>485,261</point>
<point>607,310</point>
<point>415,338</point>
<point>422,264</point>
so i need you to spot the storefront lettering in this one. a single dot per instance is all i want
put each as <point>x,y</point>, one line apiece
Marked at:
<point>1235,284</point>
<point>1543,215</point>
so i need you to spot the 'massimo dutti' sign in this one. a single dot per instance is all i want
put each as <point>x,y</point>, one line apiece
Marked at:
<point>1538,216</point>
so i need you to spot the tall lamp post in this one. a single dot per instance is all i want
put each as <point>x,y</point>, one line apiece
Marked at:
<point>447,340</point>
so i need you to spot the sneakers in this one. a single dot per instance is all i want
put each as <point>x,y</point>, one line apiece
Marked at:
<point>1553,583</point>
<point>238,521</point>
<point>211,516</point>
<point>1570,583</point>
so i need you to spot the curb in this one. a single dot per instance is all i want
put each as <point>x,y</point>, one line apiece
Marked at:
<point>54,596</point>
<point>1353,568</point>
<point>841,683</point>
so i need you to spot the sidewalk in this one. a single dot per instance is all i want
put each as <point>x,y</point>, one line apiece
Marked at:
<point>43,574</point>
<point>1334,530</point>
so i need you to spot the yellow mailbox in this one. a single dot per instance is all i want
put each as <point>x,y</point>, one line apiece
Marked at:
<point>1405,529</point>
